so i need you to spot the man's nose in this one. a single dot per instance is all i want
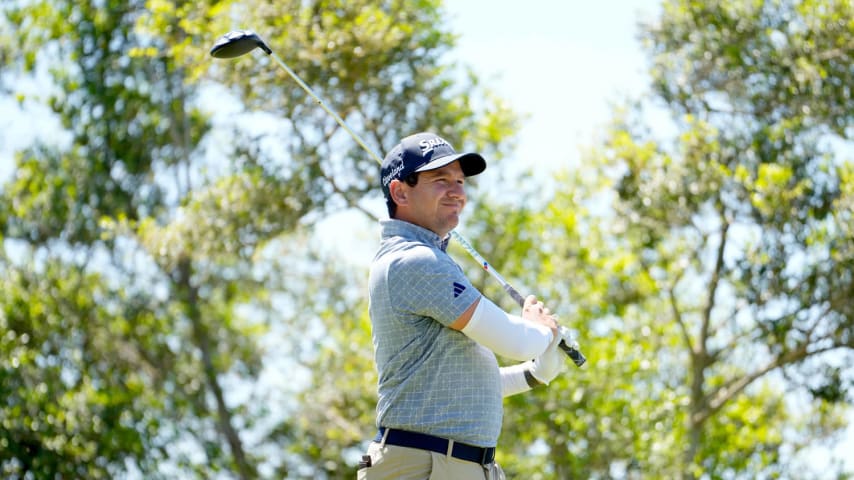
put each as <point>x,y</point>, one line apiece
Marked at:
<point>458,191</point>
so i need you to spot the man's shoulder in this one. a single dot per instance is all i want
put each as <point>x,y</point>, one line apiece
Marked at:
<point>407,252</point>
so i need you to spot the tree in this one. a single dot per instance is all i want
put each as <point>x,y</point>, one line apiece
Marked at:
<point>126,116</point>
<point>157,236</point>
<point>715,288</point>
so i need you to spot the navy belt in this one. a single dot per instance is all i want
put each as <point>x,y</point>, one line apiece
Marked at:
<point>422,441</point>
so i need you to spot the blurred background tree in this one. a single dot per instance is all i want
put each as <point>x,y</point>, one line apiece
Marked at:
<point>158,255</point>
<point>709,269</point>
<point>169,309</point>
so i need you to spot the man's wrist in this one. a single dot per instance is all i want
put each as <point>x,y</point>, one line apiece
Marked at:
<point>531,380</point>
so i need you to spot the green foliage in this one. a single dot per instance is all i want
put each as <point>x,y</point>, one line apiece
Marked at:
<point>156,216</point>
<point>705,272</point>
<point>336,410</point>
<point>72,381</point>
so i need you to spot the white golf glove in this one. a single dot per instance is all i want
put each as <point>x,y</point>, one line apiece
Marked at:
<point>548,365</point>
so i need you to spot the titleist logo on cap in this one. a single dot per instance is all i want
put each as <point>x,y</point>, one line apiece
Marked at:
<point>427,145</point>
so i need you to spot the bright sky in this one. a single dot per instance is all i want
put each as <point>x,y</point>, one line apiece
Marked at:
<point>559,62</point>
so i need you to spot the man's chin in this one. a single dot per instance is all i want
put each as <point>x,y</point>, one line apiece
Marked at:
<point>452,222</point>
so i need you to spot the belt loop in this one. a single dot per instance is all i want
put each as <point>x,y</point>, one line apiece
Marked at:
<point>450,448</point>
<point>385,435</point>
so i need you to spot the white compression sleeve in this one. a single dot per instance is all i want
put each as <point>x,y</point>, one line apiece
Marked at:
<point>506,335</point>
<point>513,379</point>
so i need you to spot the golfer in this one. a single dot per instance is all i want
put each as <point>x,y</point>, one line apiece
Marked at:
<point>435,336</point>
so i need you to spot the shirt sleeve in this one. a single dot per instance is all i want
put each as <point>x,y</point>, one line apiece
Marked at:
<point>428,283</point>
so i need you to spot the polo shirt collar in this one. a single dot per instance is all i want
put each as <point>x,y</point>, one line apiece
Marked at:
<point>393,227</point>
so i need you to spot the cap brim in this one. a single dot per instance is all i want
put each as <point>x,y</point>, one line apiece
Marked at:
<point>471,163</point>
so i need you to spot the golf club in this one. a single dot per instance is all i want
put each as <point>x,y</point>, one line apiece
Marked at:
<point>239,42</point>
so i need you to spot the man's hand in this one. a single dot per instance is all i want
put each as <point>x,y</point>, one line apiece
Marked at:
<point>548,365</point>
<point>536,312</point>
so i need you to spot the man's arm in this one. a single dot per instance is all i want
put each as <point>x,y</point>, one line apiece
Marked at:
<point>463,320</point>
<point>518,338</point>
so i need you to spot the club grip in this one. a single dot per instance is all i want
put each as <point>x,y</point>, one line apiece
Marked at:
<point>577,357</point>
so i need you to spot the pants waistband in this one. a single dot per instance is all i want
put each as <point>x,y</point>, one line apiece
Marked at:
<point>422,441</point>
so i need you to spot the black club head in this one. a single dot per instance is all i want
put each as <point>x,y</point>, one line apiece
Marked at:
<point>238,42</point>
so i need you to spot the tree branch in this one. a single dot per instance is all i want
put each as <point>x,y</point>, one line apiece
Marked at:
<point>714,281</point>
<point>720,396</point>
<point>677,314</point>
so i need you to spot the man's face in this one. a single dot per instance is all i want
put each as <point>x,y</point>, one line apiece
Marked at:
<point>436,201</point>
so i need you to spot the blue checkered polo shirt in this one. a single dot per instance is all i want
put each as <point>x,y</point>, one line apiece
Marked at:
<point>432,379</point>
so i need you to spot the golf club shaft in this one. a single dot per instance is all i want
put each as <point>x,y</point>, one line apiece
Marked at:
<point>567,344</point>
<point>323,105</point>
<point>483,263</point>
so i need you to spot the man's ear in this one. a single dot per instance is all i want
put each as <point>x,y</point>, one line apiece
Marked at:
<point>398,192</point>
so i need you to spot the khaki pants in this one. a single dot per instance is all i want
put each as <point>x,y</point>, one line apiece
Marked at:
<point>390,462</point>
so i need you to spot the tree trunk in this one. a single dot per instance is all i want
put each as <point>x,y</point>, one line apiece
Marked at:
<point>202,340</point>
